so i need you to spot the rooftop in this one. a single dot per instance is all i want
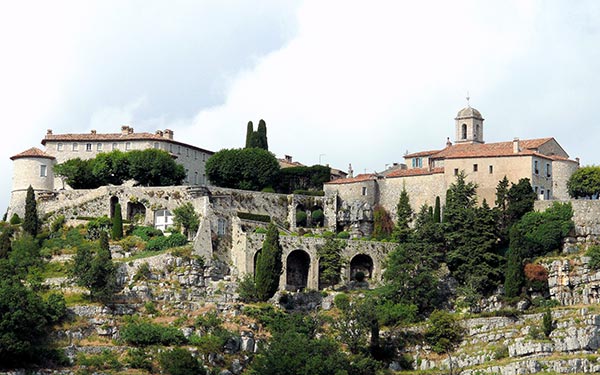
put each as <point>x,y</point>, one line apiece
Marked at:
<point>33,152</point>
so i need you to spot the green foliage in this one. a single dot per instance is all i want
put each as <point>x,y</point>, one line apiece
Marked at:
<point>444,332</point>
<point>186,216</point>
<point>260,137</point>
<point>25,255</point>
<point>249,135</point>
<point>515,277</point>
<point>95,271</point>
<point>585,182</point>
<point>15,219</point>
<point>330,262</point>
<point>247,289</point>
<point>117,223</point>
<point>143,333</point>
<point>268,265</point>
<point>96,226</point>
<point>57,225</point>
<point>107,360</point>
<point>166,242</point>
<point>6,241</point>
<point>246,169</point>
<point>520,200</point>
<point>31,223</point>
<point>594,253</point>
<point>437,213</point>
<point>254,217</point>
<point>382,223</point>
<point>180,361</point>
<point>357,320</point>
<point>143,272</point>
<point>318,217</point>
<point>390,313</point>
<point>139,359</point>
<point>547,326</point>
<point>301,179</point>
<point>147,233</point>
<point>301,219</point>
<point>404,213</point>
<point>150,167</point>
<point>343,235</point>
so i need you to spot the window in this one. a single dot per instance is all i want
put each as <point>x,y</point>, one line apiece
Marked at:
<point>187,175</point>
<point>221,223</point>
<point>195,155</point>
<point>127,146</point>
<point>417,162</point>
<point>115,146</point>
<point>187,152</point>
<point>476,131</point>
<point>475,167</point>
<point>156,145</point>
<point>548,170</point>
<point>203,157</point>
<point>464,131</point>
<point>178,150</point>
<point>456,171</point>
<point>99,147</point>
<point>171,148</point>
<point>59,147</point>
<point>88,147</point>
<point>535,167</point>
<point>364,190</point>
<point>75,147</point>
<point>195,178</point>
<point>163,219</point>
<point>535,188</point>
<point>491,169</point>
<point>43,171</point>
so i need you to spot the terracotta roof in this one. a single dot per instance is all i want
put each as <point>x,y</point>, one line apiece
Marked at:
<point>111,137</point>
<point>33,152</point>
<point>414,172</point>
<point>468,150</point>
<point>421,153</point>
<point>287,164</point>
<point>359,178</point>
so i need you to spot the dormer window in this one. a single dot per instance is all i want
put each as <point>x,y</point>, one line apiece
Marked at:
<point>417,162</point>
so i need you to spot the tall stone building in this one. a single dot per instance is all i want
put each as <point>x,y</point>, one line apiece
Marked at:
<point>428,174</point>
<point>35,167</point>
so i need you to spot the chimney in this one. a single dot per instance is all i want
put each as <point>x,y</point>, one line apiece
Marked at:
<point>124,130</point>
<point>49,132</point>
<point>516,147</point>
<point>577,160</point>
<point>93,132</point>
<point>448,143</point>
<point>159,133</point>
<point>168,134</point>
<point>130,130</point>
<point>288,158</point>
<point>350,171</point>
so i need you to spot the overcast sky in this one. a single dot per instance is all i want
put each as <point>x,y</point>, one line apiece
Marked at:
<point>341,81</point>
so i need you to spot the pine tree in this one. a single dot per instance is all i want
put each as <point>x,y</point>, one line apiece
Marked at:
<point>117,223</point>
<point>31,221</point>
<point>269,265</point>
<point>404,213</point>
<point>249,134</point>
<point>437,211</point>
<point>261,133</point>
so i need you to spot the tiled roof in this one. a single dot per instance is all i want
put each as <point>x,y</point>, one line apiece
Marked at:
<point>111,137</point>
<point>359,178</point>
<point>421,153</point>
<point>468,150</point>
<point>32,152</point>
<point>414,172</point>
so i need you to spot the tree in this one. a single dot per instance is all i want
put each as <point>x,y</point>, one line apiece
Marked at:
<point>444,333</point>
<point>404,217</point>
<point>292,179</point>
<point>247,169</point>
<point>249,135</point>
<point>514,278</point>
<point>382,223</point>
<point>31,223</point>
<point>152,167</point>
<point>330,261</point>
<point>521,198</point>
<point>437,211</point>
<point>98,272</point>
<point>6,241</point>
<point>111,167</point>
<point>186,216</point>
<point>261,135</point>
<point>25,255</point>
<point>269,265</point>
<point>585,182</point>
<point>77,173</point>
<point>179,361</point>
<point>117,223</point>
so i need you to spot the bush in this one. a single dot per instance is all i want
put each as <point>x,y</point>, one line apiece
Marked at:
<point>359,276</point>
<point>57,224</point>
<point>318,217</point>
<point>180,362</point>
<point>147,233</point>
<point>138,358</point>
<point>341,301</point>
<point>247,289</point>
<point>343,235</point>
<point>162,243</point>
<point>594,253</point>
<point>301,218</point>
<point>254,217</point>
<point>107,360</point>
<point>97,225</point>
<point>142,333</point>
<point>260,230</point>
<point>15,219</point>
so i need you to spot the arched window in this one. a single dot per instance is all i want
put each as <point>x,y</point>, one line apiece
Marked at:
<point>476,134</point>
<point>464,131</point>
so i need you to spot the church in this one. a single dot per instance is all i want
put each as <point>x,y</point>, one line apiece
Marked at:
<point>427,174</point>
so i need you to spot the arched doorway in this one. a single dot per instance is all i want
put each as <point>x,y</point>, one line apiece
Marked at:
<point>113,202</point>
<point>361,263</point>
<point>297,266</point>
<point>136,211</point>
<point>255,261</point>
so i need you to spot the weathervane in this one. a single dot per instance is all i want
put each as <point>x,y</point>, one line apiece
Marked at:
<point>468,98</point>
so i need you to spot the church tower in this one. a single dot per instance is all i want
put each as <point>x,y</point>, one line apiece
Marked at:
<point>469,126</point>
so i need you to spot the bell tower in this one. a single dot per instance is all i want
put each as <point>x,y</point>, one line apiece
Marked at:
<point>469,125</point>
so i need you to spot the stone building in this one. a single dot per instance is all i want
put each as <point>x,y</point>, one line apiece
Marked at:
<point>34,166</point>
<point>427,174</point>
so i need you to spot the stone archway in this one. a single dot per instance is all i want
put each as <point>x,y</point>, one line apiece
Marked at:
<point>254,260</point>
<point>361,263</point>
<point>297,269</point>
<point>113,202</point>
<point>135,209</point>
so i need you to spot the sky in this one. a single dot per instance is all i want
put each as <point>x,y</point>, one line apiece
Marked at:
<point>337,82</point>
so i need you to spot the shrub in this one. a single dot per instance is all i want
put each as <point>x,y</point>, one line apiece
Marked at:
<point>341,301</point>
<point>138,358</point>
<point>536,272</point>
<point>117,223</point>
<point>57,224</point>
<point>142,333</point>
<point>147,233</point>
<point>180,362</point>
<point>97,225</point>
<point>547,323</point>
<point>254,217</point>
<point>15,219</point>
<point>301,218</point>
<point>107,360</point>
<point>162,243</point>
<point>359,276</point>
<point>343,235</point>
<point>594,254</point>
<point>318,217</point>
<point>247,289</point>
<point>260,230</point>
<point>143,272</point>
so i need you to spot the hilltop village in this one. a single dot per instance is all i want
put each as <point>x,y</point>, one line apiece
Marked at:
<point>469,259</point>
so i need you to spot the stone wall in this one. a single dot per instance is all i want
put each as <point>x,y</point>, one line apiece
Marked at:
<point>561,172</point>
<point>586,216</point>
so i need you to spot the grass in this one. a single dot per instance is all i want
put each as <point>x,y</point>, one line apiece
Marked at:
<point>74,299</point>
<point>55,269</point>
<point>142,255</point>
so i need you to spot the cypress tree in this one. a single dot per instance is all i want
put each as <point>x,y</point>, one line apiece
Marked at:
<point>117,223</point>
<point>437,211</point>
<point>249,134</point>
<point>104,245</point>
<point>31,222</point>
<point>261,135</point>
<point>269,265</point>
<point>514,273</point>
<point>404,213</point>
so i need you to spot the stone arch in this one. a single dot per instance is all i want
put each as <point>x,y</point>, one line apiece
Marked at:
<point>464,131</point>
<point>297,270</point>
<point>254,260</point>
<point>135,208</point>
<point>361,263</point>
<point>113,202</point>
